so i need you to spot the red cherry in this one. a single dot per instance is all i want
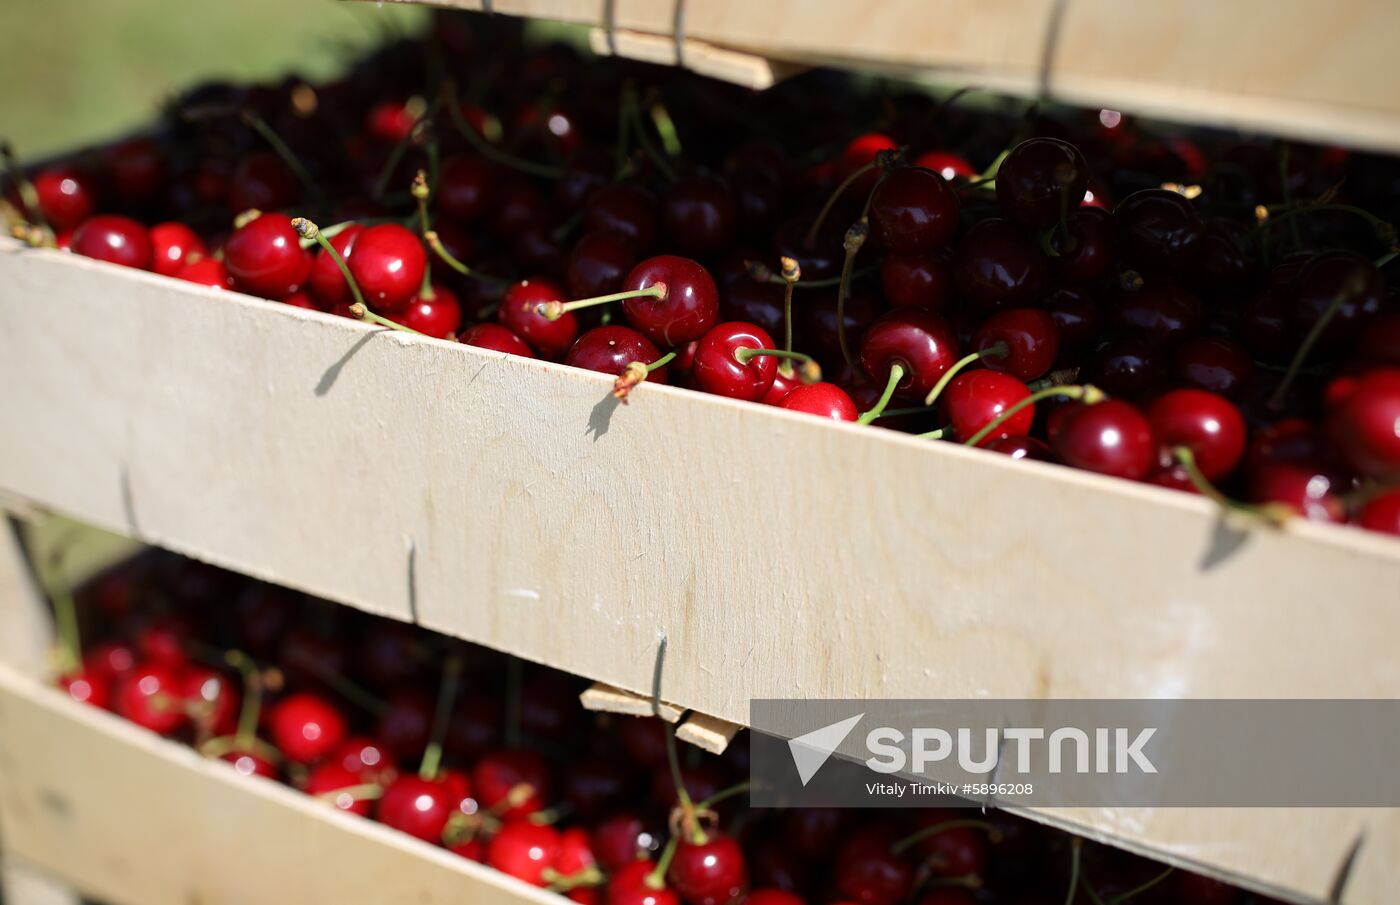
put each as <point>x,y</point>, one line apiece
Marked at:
<point>1077,319</point>
<point>496,337</point>
<point>597,265</point>
<point>406,722</point>
<point>630,886</point>
<point>265,258</point>
<point>1129,366</point>
<point>87,688</point>
<point>624,210</point>
<point>922,343</point>
<point>211,699</point>
<point>473,849</point>
<point>998,265</point>
<point>172,244</point>
<point>1111,438</point>
<point>1029,334</point>
<point>698,213</point>
<point>712,872</point>
<point>685,312</point>
<point>575,853</point>
<point>1212,363</point>
<point>922,281</point>
<point>422,807</point>
<point>246,763</point>
<point>862,150</point>
<point>586,171</point>
<point>621,840</point>
<point>946,164</point>
<point>209,272</point>
<point>524,850</point>
<point>1164,315</point>
<point>333,777</point>
<point>718,369</point>
<point>1021,448</point>
<point>517,205</point>
<point>868,873</point>
<point>1158,230</point>
<point>1310,490</point>
<point>326,281</point>
<point>1381,513</point>
<point>782,385</point>
<point>150,697</point>
<point>305,727</point>
<point>825,400</point>
<point>109,661</point>
<point>135,169</point>
<point>611,349</point>
<point>365,757</point>
<point>66,196</point>
<point>1365,426</point>
<point>953,852</point>
<point>1039,179</point>
<point>1088,255</point>
<point>519,313</point>
<point>1330,276</point>
<point>390,121</point>
<point>1208,424</point>
<point>388,263</point>
<point>164,639</point>
<point>116,240</point>
<point>913,212</point>
<point>262,181</point>
<point>439,316</point>
<point>975,399</point>
<point>512,784</point>
<point>464,189</point>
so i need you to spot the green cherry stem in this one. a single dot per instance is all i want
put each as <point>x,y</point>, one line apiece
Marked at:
<point>666,128</point>
<point>673,761</point>
<point>308,230</point>
<point>855,238</point>
<point>1076,846</point>
<point>363,313</point>
<point>811,371</point>
<point>1353,286</point>
<point>1141,888</point>
<point>636,372</point>
<point>896,376</point>
<point>812,231</point>
<point>281,148</point>
<point>657,878</point>
<point>491,152</point>
<point>938,434</point>
<point>1087,394</point>
<point>1270,513</point>
<point>724,795</point>
<point>435,243</point>
<point>552,311</point>
<point>999,350</point>
<point>247,731</point>
<point>447,693</point>
<point>762,274</point>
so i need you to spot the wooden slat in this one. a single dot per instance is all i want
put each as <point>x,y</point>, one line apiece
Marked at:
<point>746,69</point>
<point>21,884</point>
<point>26,628</point>
<point>603,698</point>
<point>707,732</point>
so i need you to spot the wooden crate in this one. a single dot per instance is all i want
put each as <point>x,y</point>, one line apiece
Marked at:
<point>512,503</point>
<point>1292,67</point>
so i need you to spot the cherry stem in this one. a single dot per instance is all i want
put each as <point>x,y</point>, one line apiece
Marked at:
<point>662,362</point>
<point>343,686</point>
<point>1384,230</point>
<point>65,617</point>
<point>938,434</point>
<point>421,192</point>
<point>762,274</point>
<point>666,128</point>
<point>1270,513</point>
<point>364,314</point>
<point>908,842</point>
<point>792,274</point>
<point>247,731</point>
<point>363,792</point>
<point>633,115</point>
<point>289,157</point>
<point>308,230</point>
<point>330,232</point>
<point>27,192</point>
<point>673,761</point>
<point>855,238</point>
<point>657,878</point>
<point>896,375</point>
<point>1139,890</point>
<point>447,693</point>
<point>491,152</point>
<point>744,355</point>
<point>1280,393</point>
<point>1087,394</point>
<point>998,350</point>
<point>636,372</point>
<point>435,243</point>
<point>810,239</point>
<point>725,795</point>
<point>1076,846</point>
<point>552,311</point>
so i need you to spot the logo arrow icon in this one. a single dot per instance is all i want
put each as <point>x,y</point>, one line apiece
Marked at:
<point>812,750</point>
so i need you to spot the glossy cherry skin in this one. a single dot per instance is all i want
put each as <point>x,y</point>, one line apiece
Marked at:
<point>1158,231</point>
<point>1222,267</point>
<point>825,400</point>
<point>87,688</point>
<point>621,840</point>
<point>164,639</point>
<point>388,263</point>
<point>597,265</point>
<point>863,149</point>
<point>150,697</point>
<point>919,281</point>
<point>172,245</point>
<point>524,850</point>
<point>611,349</point>
<point>998,265</point>
<point>367,758</point>
<point>66,196</point>
<point>109,661</point>
<point>1040,178</point>
<point>626,211</point>
<point>868,873</point>
<point>262,181</point>
<point>1208,424</point>
<point>265,258</point>
<point>1381,513</point>
<point>924,344</point>
<point>1077,317</point>
<point>512,784</point>
<point>1089,253</point>
<point>305,727</point>
<point>783,383</point>
<point>1111,438</point>
<point>1128,367</point>
<point>1031,337</point>
<point>439,316</point>
<point>708,873</point>
<point>1212,363</point>
<point>698,214</point>
<point>974,399</point>
<point>116,240</point>
<point>518,312</point>
<point>1313,491</point>
<point>1165,315</point>
<point>246,763</point>
<point>464,190</point>
<point>689,308</point>
<point>422,807</point>
<point>756,303</point>
<point>326,281</point>
<point>211,699</point>
<point>1022,448</point>
<point>1365,426</point>
<point>629,886</point>
<point>818,320</point>
<point>497,338</point>
<point>913,212</point>
<point>946,164</point>
<point>331,777</point>
<point>1334,275</point>
<point>717,370</point>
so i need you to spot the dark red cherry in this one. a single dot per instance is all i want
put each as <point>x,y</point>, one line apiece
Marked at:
<point>1365,426</point>
<point>265,258</point>
<point>946,164</point>
<point>598,264</point>
<point>262,181</point>
<point>1208,424</point>
<point>1264,326</point>
<point>975,399</point>
<point>625,211</point>
<point>67,196</point>
<point>518,312</point>
<point>116,240</point>
<point>914,212</point>
<point>1158,231</point>
<point>422,807</point>
<point>825,400</point>
<point>718,370</point>
<point>1381,513</point>
<point>1223,267</point>
<point>919,281</point>
<point>712,872</point>
<point>698,214</point>
<point>496,337</point>
<point>247,763</point>
<point>512,784</point>
<point>1165,315</point>
<point>1313,491</point>
<point>1379,343</point>
<point>595,785</point>
<point>388,263</point>
<point>611,349</point>
<point>439,316</point>
<point>1029,334</point>
<point>621,840</point>
<point>1111,438</point>
<point>758,202</point>
<point>954,852</point>
<point>1022,448</point>
<point>173,244</point>
<point>1128,367</point>
<point>365,757</point>
<point>135,169</point>
<point>165,639</point>
<point>1333,276</point>
<point>868,873</point>
<point>820,258</point>
<point>586,171</point>
<point>1212,363</point>
<point>327,779</point>
<point>1041,179</point>
<point>998,265</point>
<point>516,205</point>
<point>755,302</point>
<point>524,850</point>
<point>150,696</point>
<point>87,688</point>
<point>1088,254</point>
<point>391,121</point>
<point>305,727</point>
<point>211,699</point>
<point>1077,318</point>
<point>689,307</point>
<point>922,343</point>
<point>406,722</point>
<point>464,189</point>
<point>818,318</point>
<point>536,250</point>
<point>209,272</point>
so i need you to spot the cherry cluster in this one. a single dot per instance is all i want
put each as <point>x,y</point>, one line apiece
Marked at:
<point>1192,309</point>
<point>495,760</point>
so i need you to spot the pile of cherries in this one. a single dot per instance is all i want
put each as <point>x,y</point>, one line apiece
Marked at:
<point>1192,309</point>
<point>494,759</point>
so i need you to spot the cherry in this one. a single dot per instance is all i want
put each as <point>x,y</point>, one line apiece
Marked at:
<point>758,202</point>
<point>464,189</point>
<point>709,872</point>
<point>305,727</point>
<point>116,240</point>
<point>819,321</point>
<point>862,151</point>
<point>512,784</point>
<point>698,214</point>
<point>825,400</point>
<point>818,259</point>
<point>1342,277</point>
<point>1312,491</point>
<point>1030,336</point>
<point>783,384</point>
<point>172,245</point>
<point>246,763</point>
<point>1365,425</point>
<point>597,265</point>
<point>388,263</point>
<point>262,181</point>
<point>438,316</point>
<point>1077,318</point>
<point>326,281</point>
<point>956,851</point>
<point>587,170</point>
<point>496,337</point>
<point>1163,314</point>
<point>922,345</point>
<point>265,258</point>
<point>754,302</point>
<point>722,367</point>
<point>1223,267</point>
<point>87,688</point>
<point>611,349</point>
<point>1130,367</point>
<point>109,661</point>
<point>66,196</point>
<point>1021,448</point>
<point>621,840</point>
<point>164,639</point>
<point>976,398</point>
<point>773,897</point>
<point>518,312</point>
<point>1088,254</point>
<point>575,856</point>
<point>135,169</point>
<point>593,785</point>
<point>625,211</point>
<point>1198,890</point>
<point>406,722</point>
<point>476,725</point>
<point>920,281</point>
<point>701,781</point>
<point>868,873</point>
<point>913,212</point>
<point>1381,513</point>
<point>684,305</point>
<point>150,697</point>
<point>998,265</point>
<point>365,757</point>
<point>1212,363</point>
<point>644,739</point>
<point>1040,180</point>
<point>1158,231</point>
<point>814,833</point>
<point>631,885</point>
<point>210,699</point>
<point>1264,325</point>
<point>1111,438</point>
<point>517,206</point>
<point>421,807</point>
<point>331,777</point>
<point>524,850</point>
<point>946,164</point>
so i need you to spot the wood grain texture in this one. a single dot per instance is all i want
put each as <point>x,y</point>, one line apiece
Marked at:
<point>511,503</point>
<point>132,819</point>
<point>707,732</point>
<point>746,69</point>
<point>26,628</point>
<point>603,698</point>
